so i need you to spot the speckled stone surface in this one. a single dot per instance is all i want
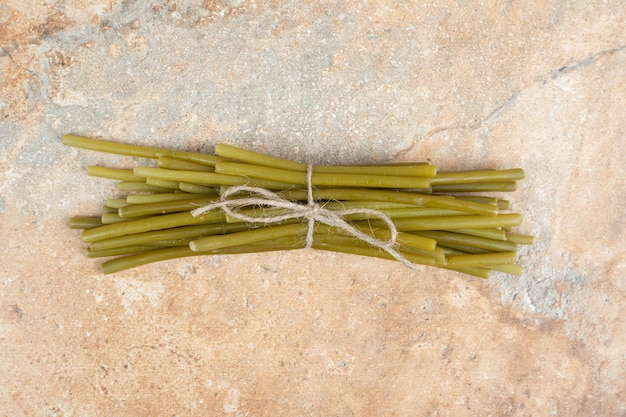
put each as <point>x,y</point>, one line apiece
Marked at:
<point>539,85</point>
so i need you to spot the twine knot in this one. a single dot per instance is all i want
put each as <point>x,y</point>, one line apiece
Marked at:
<point>312,212</point>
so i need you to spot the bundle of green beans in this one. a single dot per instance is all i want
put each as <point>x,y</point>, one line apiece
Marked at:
<point>440,221</point>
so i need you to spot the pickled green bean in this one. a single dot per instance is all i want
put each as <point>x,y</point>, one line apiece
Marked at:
<point>156,182</point>
<point>111,173</point>
<point>251,236</point>
<point>182,232</point>
<point>447,238</point>
<point>140,187</point>
<point>320,179</point>
<point>138,210</point>
<point>136,151</point>
<point>84,222</point>
<point>481,260</point>
<point>152,223</point>
<point>173,163</point>
<point>160,198</point>
<point>477,176</point>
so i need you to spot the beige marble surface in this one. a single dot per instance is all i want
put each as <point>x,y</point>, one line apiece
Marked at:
<point>540,85</point>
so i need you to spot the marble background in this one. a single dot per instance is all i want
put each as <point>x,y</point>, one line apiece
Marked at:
<point>539,84</point>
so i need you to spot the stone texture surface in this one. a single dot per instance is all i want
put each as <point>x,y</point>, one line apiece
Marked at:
<point>540,85</point>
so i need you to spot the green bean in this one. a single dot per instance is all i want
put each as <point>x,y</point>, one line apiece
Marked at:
<point>373,205</point>
<point>477,176</point>
<point>520,239</point>
<point>492,201</point>
<point>477,272</point>
<point>512,269</point>
<point>383,234</point>
<point>255,158</point>
<point>138,210</point>
<point>197,189</point>
<point>372,252</point>
<point>321,179</point>
<point>474,187</point>
<point>156,182</point>
<point>337,239</point>
<point>114,174</point>
<point>498,202</point>
<point>391,170</point>
<point>452,222</point>
<point>116,203</point>
<point>447,238</point>
<point>251,157</point>
<point>437,254</point>
<point>493,233</point>
<point>251,236</point>
<point>157,255</point>
<point>123,250</point>
<point>159,198</point>
<point>481,260</point>
<point>84,222</point>
<point>183,232</point>
<point>207,178</point>
<point>457,249</point>
<point>173,163</point>
<point>262,213</point>
<point>107,209</point>
<point>136,151</point>
<point>112,218</point>
<point>152,223</point>
<point>361,194</point>
<point>140,187</point>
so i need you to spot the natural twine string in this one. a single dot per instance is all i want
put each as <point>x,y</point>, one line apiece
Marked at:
<point>312,211</point>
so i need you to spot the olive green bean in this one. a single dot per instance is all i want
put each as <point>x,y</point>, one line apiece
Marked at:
<point>422,200</point>
<point>447,238</point>
<point>197,189</point>
<point>116,203</point>
<point>511,269</point>
<point>208,178</point>
<point>456,249</point>
<point>123,250</point>
<point>373,252</point>
<point>156,182</point>
<point>84,222</point>
<point>520,239</point>
<point>251,157</point>
<point>159,198</point>
<point>165,221</point>
<point>384,234</point>
<point>157,255</point>
<point>173,163</point>
<point>474,187</point>
<point>251,236</point>
<point>493,233</point>
<point>461,177</point>
<point>138,210</point>
<point>136,151</point>
<point>452,222</point>
<point>321,179</point>
<point>391,170</point>
<point>182,232</point>
<point>481,260</point>
<point>140,187</point>
<point>107,209</point>
<point>477,272</point>
<point>114,174</point>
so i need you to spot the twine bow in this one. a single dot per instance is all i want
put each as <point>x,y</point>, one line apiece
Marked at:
<point>312,211</point>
